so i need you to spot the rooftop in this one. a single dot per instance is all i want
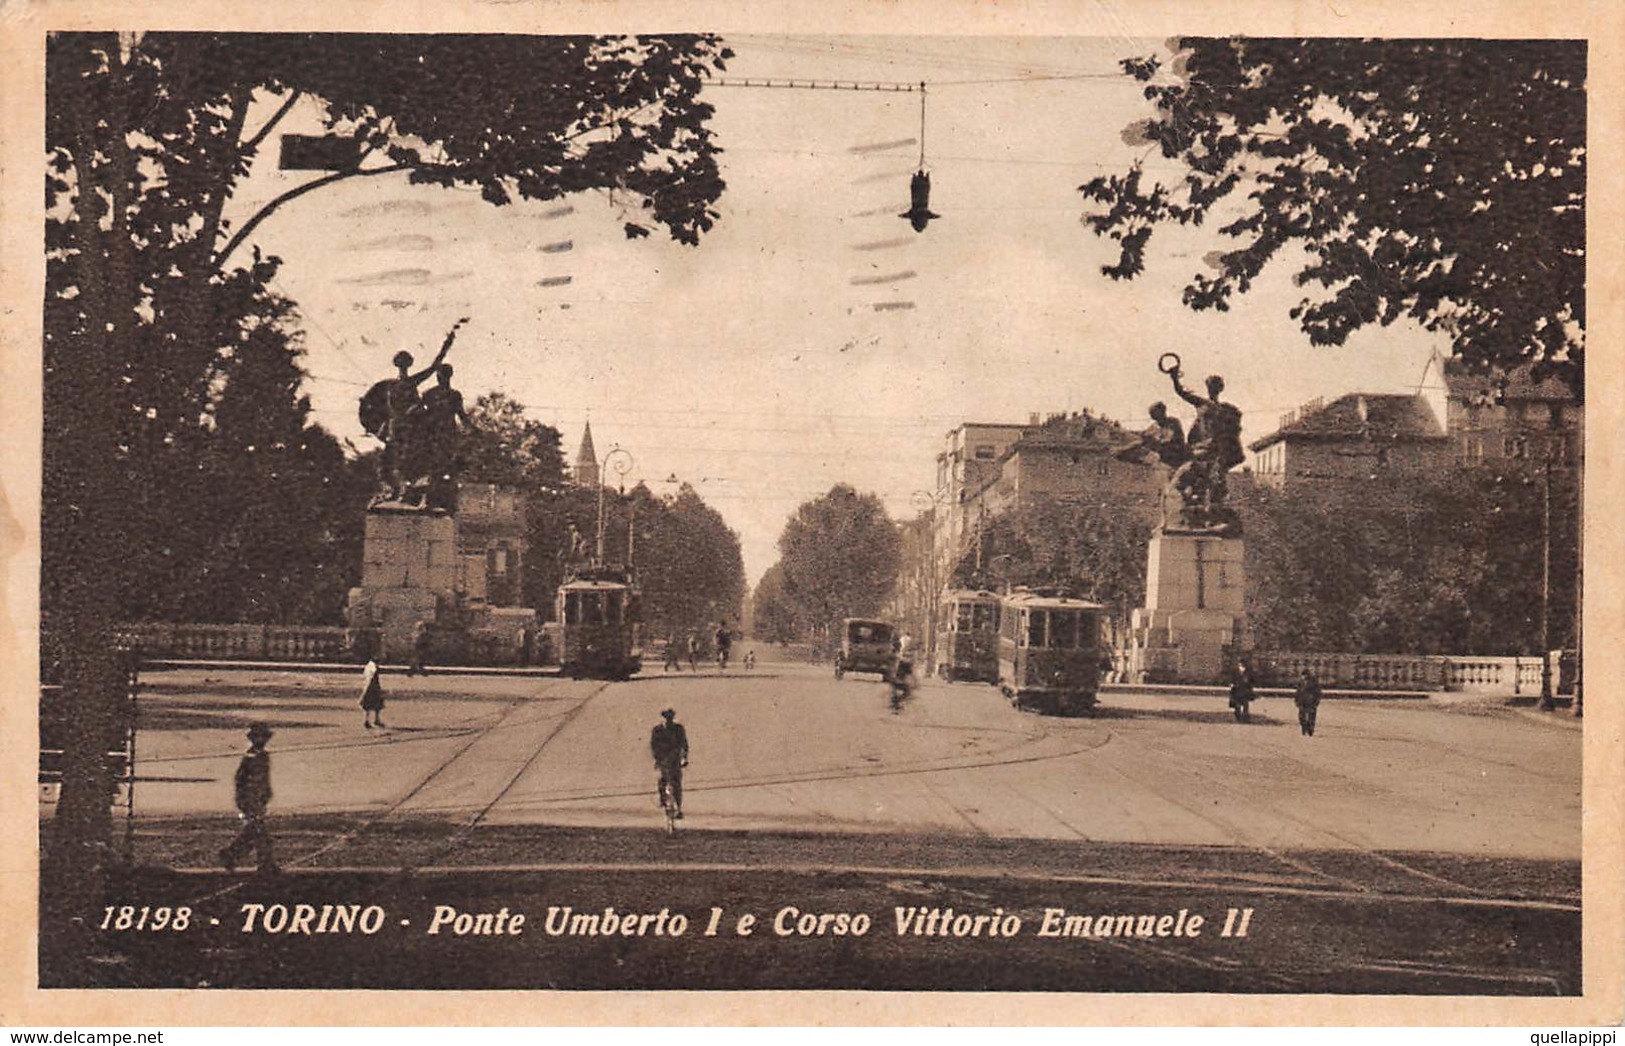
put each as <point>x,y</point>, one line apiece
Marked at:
<point>1359,415</point>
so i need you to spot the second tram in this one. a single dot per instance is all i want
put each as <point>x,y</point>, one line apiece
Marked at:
<point>600,625</point>
<point>1050,652</point>
<point>968,636</point>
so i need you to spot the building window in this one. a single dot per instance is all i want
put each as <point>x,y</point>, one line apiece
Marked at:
<point>986,452</point>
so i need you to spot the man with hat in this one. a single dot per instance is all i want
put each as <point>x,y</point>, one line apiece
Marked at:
<point>668,743</point>
<point>253,796</point>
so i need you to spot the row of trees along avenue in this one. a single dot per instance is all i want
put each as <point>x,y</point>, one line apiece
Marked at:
<point>839,556</point>
<point>175,437</point>
<point>688,561</point>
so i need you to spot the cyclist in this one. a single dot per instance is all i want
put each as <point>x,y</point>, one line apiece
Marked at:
<point>668,743</point>
<point>902,671</point>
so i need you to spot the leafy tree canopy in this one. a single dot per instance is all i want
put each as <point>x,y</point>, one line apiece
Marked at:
<point>504,446</point>
<point>1425,565</point>
<point>840,554</point>
<point>1443,181</point>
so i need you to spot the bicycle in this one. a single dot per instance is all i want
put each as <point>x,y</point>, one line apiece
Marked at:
<point>900,682</point>
<point>669,806</point>
<point>668,798</point>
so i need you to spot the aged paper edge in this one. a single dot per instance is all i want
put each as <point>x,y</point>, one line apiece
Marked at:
<point>22,28</point>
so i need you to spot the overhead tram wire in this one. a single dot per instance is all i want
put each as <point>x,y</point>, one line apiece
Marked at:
<point>798,84</point>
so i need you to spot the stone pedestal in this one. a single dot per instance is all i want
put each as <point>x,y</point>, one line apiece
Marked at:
<point>1193,622</point>
<point>410,572</point>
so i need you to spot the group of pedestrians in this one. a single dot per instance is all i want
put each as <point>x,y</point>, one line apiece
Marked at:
<point>1306,696</point>
<point>722,646</point>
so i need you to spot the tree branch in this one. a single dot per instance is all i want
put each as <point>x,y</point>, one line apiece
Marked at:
<point>276,118</point>
<point>296,192</point>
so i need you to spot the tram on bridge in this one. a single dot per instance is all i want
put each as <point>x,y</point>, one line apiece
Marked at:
<point>1051,649</point>
<point>968,636</point>
<point>600,616</point>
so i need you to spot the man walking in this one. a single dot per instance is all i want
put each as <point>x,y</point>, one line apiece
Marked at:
<point>253,796</point>
<point>1307,698</point>
<point>668,743</point>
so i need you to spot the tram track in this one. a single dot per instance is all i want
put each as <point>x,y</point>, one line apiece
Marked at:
<point>381,817</point>
<point>1213,784</point>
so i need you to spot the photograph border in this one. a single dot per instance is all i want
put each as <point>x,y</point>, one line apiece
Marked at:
<point>23,26</point>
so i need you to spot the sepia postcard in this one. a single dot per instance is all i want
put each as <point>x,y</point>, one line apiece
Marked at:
<point>916,514</point>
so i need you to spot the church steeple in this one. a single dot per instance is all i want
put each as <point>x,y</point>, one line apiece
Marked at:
<point>586,470</point>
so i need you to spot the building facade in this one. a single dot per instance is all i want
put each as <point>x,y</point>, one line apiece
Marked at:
<point>1456,418</point>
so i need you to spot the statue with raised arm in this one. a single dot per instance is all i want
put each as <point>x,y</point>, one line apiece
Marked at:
<point>393,411</point>
<point>1215,448</point>
<point>444,422</point>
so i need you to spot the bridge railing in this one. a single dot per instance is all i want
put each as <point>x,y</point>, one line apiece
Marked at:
<point>1510,676</point>
<point>240,642</point>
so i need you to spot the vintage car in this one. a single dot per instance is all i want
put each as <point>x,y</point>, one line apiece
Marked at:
<point>866,646</point>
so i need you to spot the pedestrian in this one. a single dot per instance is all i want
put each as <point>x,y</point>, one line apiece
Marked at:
<point>693,652</point>
<point>672,663</point>
<point>372,696</point>
<point>1242,693</point>
<point>253,788</point>
<point>522,643</point>
<point>724,644</point>
<point>668,743</point>
<point>1307,698</point>
<point>420,648</point>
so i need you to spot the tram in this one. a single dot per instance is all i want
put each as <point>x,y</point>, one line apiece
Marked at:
<point>1050,652</point>
<point>968,636</point>
<point>600,616</point>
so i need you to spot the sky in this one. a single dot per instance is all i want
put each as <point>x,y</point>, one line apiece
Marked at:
<point>813,337</point>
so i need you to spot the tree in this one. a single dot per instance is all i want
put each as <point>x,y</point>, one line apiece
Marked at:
<point>147,138</point>
<point>1442,565</point>
<point>1443,181</point>
<point>504,447</point>
<point>775,618</point>
<point>1090,551</point>
<point>840,555</point>
<point>689,564</point>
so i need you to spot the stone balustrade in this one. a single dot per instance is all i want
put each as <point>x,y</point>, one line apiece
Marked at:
<point>1488,675</point>
<point>239,642</point>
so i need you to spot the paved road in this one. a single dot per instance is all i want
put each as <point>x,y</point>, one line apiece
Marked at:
<point>789,748</point>
<point>1406,848</point>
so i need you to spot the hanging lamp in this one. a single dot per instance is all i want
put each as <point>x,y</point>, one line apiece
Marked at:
<point>919,213</point>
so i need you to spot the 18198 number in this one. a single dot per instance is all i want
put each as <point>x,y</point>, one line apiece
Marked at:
<point>129,917</point>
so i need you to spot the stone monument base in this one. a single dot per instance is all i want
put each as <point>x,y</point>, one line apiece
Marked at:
<point>1193,624</point>
<point>409,573</point>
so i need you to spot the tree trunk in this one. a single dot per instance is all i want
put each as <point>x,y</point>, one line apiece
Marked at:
<point>83,452</point>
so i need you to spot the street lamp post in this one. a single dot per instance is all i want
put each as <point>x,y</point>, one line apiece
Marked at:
<point>623,465</point>
<point>1546,585</point>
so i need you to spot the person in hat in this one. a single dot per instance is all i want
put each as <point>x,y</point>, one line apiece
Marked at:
<point>1307,698</point>
<point>372,695</point>
<point>253,796</point>
<point>668,743</point>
